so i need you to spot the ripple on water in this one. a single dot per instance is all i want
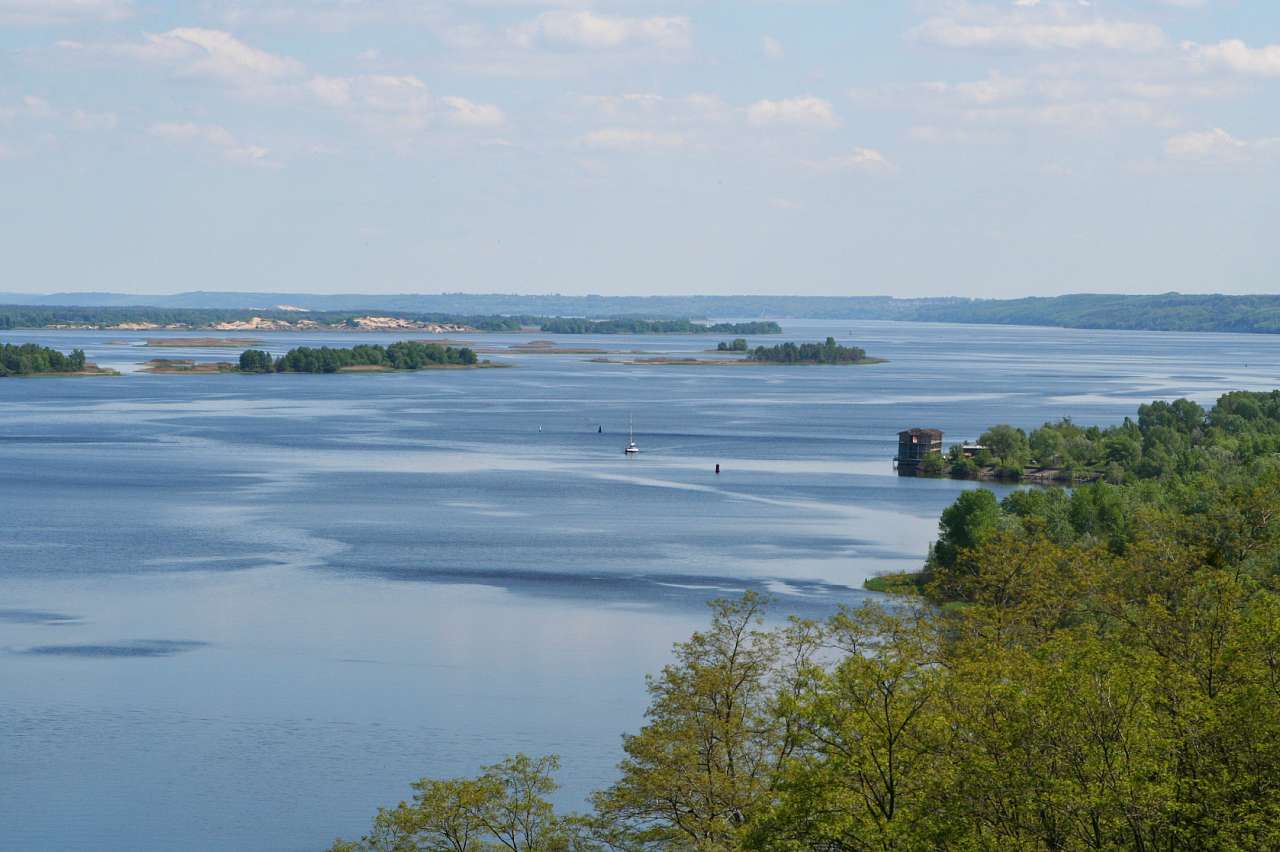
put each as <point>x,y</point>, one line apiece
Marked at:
<point>107,650</point>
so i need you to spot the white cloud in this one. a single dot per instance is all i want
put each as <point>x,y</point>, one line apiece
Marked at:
<point>1217,147</point>
<point>772,48</point>
<point>864,160</point>
<point>209,53</point>
<point>212,136</point>
<point>806,111</point>
<point>1235,55</point>
<point>382,103</point>
<point>385,104</point>
<point>399,105</point>
<point>55,12</point>
<point>993,89</point>
<point>1022,31</point>
<point>467,113</point>
<point>586,30</point>
<point>633,139</point>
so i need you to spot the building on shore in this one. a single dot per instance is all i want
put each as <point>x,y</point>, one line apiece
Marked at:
<point>914,445</point>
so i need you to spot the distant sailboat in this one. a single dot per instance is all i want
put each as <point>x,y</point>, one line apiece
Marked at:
<point>631,449</point>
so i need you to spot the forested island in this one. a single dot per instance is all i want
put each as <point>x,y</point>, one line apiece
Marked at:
<point>403,355</point>
<point>31,359</point>
<point>828,352</point>
<point>1097,669</point>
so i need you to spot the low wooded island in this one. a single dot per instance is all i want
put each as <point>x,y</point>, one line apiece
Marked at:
<point>828,352</point>
<point>403,355</point>
<point>32,359</point>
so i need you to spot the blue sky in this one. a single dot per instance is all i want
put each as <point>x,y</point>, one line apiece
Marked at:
<point>922,147</point>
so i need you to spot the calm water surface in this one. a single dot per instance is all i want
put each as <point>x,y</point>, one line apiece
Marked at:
<point>240,612</point>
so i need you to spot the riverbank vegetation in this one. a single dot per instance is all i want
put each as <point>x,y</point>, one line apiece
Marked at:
<point>1164,437</point>
<point>828,352</point>
<point>1097,669</point>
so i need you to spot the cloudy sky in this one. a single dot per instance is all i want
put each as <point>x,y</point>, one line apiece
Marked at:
<point>915,147</point>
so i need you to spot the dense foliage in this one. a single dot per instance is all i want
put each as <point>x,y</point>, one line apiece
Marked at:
<point>256,361</point>
<point>578,325</point>
<point>30,358</point>
<point>738,344</point>
<point>1090,670</point>
<point>404,355</point>
<point>1166,438</point>
<point>828,352</point>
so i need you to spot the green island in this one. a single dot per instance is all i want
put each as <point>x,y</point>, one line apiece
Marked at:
<point>32,359</point>
<point>1094,669</point>
<point>828,352</point>
<point>403,355</point>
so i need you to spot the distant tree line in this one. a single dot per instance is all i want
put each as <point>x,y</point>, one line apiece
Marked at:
<point>828,352</point>
<point>30,358</point>
<point>577,325</point>
<point>738,344</point>
<point>1164,312</point>
<point>31,316</point>
<point>404,355</point>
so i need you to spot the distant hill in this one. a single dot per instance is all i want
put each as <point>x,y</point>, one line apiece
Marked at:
<point>1164,312</point>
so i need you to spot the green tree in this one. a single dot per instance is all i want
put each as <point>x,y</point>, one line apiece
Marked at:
<point>965,524</point>
<point>1008,444</point>
<point>706,761</point>
<point>256,361</point>
<point>504,808</point>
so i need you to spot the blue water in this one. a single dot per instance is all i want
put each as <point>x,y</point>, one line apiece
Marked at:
<point>240,612</point>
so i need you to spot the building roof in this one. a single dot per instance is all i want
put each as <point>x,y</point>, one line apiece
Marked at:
<point>935,434</point>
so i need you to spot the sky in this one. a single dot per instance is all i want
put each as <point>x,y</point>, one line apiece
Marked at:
<point>630,147</point>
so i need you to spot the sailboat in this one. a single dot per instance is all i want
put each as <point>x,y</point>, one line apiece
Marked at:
<point>631,449</point>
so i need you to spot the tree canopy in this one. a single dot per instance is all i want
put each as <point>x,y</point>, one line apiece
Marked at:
<point>827,352</point>
<point>31,358</point>
<point>403,355</point>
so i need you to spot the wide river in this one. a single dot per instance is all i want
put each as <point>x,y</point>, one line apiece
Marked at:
<point>240,612</point>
